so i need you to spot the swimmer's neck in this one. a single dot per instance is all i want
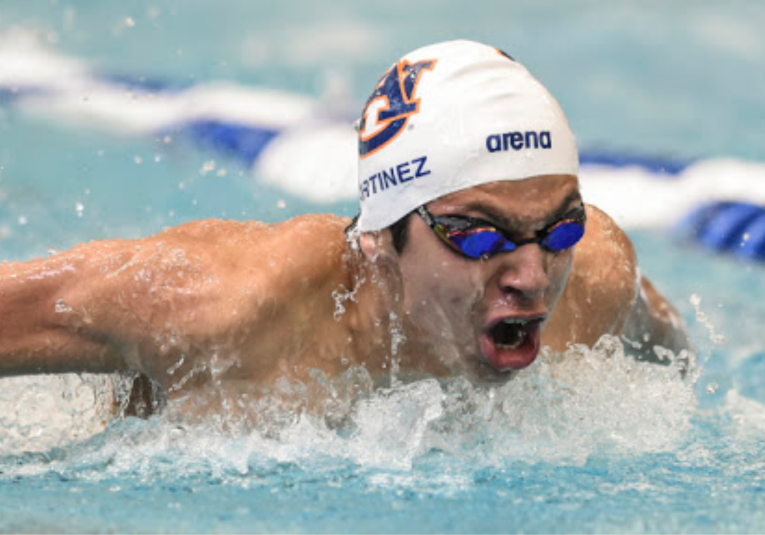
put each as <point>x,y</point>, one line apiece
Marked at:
<point>377,323</point>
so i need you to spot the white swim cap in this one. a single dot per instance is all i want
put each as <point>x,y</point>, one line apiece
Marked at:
<point>452,116</point>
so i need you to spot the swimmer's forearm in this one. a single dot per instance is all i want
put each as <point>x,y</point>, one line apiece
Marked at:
<point>38,333</point>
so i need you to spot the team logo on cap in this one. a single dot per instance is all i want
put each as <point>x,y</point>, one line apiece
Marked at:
<point>391,105</point>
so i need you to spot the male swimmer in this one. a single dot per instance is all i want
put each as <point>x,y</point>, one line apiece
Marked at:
<point>473,249</point>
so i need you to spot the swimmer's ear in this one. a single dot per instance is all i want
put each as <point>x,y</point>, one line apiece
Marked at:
<point>377,246</point>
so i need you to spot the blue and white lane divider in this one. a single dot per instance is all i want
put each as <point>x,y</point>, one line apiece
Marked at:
<point>307,146</point>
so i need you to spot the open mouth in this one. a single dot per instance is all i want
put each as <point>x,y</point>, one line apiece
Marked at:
<point>511,343</point>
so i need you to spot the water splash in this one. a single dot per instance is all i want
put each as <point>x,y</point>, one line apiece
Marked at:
<point>703,319</point>
<point>563,409</point>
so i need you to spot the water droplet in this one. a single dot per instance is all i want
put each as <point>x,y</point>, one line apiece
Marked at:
<point>23,220</point>
<point>281,204</point>
<point>207,167</point>
<point>61,307</point>
<point>79,208</point>
<point>138,160</point>
<point>129,22</point>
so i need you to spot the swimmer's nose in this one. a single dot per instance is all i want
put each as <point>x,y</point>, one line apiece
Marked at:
<point>524,271</point>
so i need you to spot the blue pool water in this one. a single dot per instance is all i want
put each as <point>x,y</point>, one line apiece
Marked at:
<point>597,444</point>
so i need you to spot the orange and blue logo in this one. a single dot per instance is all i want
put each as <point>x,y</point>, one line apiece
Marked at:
<point>392,103</point>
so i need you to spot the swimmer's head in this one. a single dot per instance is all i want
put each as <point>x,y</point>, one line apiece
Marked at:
<point>452,116</point>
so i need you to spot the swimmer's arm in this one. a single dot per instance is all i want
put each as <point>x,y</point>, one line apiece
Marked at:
<point>109,306</point>
<point>641,316</point>
<point>36,333</point>
<point>167,305</point>
<point>607,295</point>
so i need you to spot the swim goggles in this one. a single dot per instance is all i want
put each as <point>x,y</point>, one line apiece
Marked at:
<point>476,238</point>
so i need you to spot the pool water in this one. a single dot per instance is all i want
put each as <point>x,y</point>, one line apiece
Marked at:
<point>589,441</point>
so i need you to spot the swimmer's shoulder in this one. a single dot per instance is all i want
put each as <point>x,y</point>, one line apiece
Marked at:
<point>605,260</point>
<point>306,247</point>
<point>604,238</point>
<point>602,287</point>
<point>310,233</point>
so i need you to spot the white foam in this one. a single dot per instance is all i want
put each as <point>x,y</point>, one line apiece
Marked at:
<point>563,409</point>
<point>41,412</point>
<point>747,415</point>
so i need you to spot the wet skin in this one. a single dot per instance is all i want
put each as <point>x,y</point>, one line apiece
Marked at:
<point>244,302</point>
<point>457,301</point>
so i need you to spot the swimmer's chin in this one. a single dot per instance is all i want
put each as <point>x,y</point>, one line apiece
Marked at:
<point>479,372</point>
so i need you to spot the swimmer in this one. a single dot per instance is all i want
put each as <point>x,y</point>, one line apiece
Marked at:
<point>473,249</point>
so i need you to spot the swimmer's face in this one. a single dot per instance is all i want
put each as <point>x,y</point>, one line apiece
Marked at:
<point>483,318</point>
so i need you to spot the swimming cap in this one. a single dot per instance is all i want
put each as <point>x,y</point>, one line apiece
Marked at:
<point>451,116</point>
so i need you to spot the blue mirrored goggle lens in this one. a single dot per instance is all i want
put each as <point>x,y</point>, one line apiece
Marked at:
<point>483,242</point>
<point>489,242</point>
<point>564,236</point>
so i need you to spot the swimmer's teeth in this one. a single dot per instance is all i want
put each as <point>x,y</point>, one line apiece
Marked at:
<point>513,345</point>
